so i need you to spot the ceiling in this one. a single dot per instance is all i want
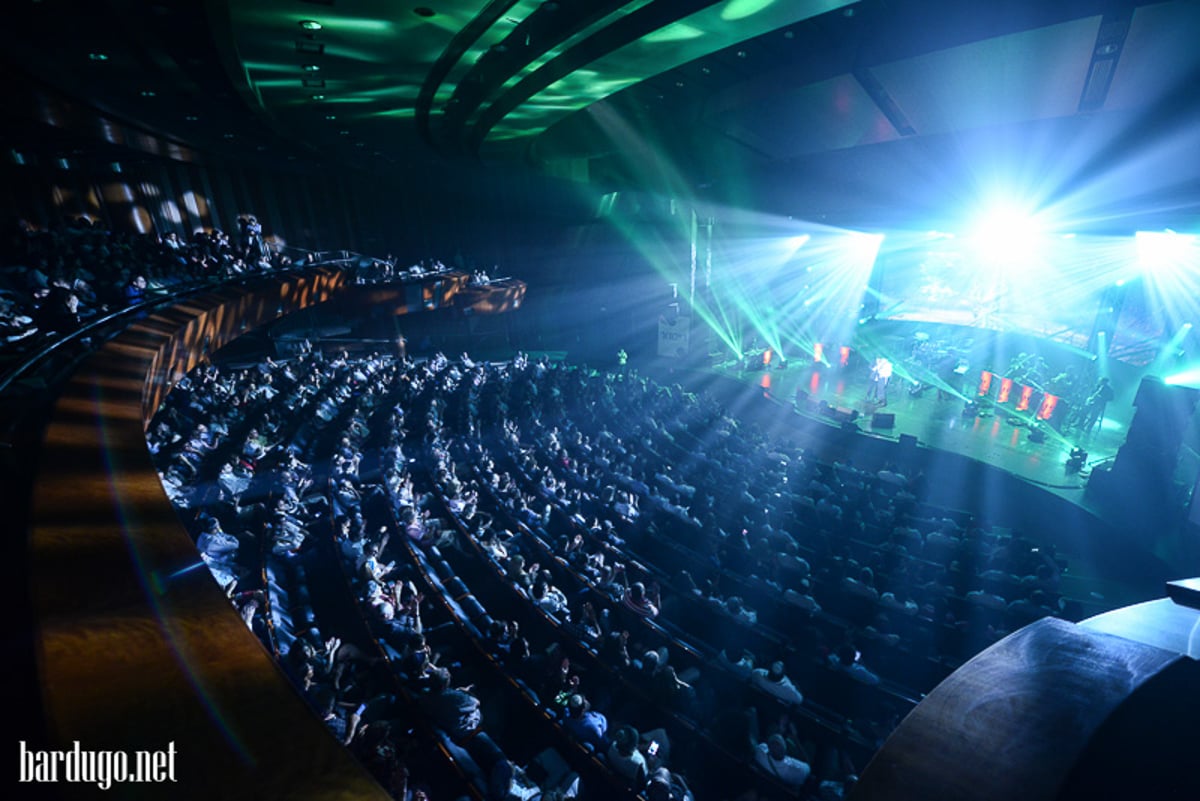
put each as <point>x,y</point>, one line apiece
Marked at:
<point>870,113</point>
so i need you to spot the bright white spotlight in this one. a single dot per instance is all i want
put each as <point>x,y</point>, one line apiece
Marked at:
<point>1008,235</point>
<point>864,248</point>
<point>1166,250</point>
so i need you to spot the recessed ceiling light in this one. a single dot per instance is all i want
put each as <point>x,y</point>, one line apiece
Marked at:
<point>191,118</point>
<point>228,136</point>
<point>331,116</point>
<point>741,54</point>
<point>98,56</point>
<point>311,67</point>
<point>310,25</point>
<point>147,93</point>
<point>318,97</point>
<point>344,133</point>
<point>423,11</point>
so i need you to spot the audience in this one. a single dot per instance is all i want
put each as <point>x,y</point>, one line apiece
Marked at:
<point>617,507</point>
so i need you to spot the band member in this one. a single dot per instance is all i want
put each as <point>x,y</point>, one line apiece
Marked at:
<point>1096,402</point>
<point>881,375</point>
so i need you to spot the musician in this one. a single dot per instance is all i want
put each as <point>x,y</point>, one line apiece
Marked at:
<point>950,371</point>
<point>881,375</point>
<point>1096,402</point>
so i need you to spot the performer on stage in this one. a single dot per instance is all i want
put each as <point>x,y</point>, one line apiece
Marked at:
<point>1096,402</point>
<point>881,374</point>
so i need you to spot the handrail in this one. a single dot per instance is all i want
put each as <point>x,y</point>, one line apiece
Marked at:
<point>177,293</point>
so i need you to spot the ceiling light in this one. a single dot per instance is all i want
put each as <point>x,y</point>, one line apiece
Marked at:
<point>191,118</point>
<point>311,67</point>
<point>310,25</point>
<point>344,133</point>
<point>228,135</point>
<point>98,56</point>
<point>147,93</point>
<point>318,97</point>
<point>331,116</point>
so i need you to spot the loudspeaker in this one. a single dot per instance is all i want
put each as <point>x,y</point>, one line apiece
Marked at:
<point>844,415</point>
<point>883,420</point>
<point>908,443</point>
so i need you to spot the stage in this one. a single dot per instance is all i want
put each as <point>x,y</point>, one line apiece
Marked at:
<point>997,435</point>
<point>837,397</point>
<point>931,404</point>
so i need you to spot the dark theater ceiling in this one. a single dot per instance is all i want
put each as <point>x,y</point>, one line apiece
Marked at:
<point>855,110</point>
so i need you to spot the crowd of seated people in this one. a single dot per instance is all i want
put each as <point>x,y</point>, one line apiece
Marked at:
<point>389,268</point>
<point>53,281</point>
<point>656,558</point>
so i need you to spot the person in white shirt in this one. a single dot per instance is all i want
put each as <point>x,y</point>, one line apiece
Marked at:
<point>776,682</point>
<point>881,375</point>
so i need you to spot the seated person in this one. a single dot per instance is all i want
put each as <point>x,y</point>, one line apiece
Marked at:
<point>846,658</point>
<point>667,786</point>
<point>776,682</point>
<point>584,723</point>
<point>454,710</point>
<point>640,601</point>
<point>549,598</point>
<point>773,759</point>
<point>625,759</point>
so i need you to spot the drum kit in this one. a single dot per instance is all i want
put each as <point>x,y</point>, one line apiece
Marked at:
<point>939,358</point>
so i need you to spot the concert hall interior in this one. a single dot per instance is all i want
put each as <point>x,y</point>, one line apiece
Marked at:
<point>601,399</point>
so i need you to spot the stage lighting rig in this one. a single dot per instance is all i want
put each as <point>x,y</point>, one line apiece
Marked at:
<point>1076,460</point>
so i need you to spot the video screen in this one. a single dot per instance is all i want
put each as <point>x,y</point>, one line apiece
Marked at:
<point>1068,291</point>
